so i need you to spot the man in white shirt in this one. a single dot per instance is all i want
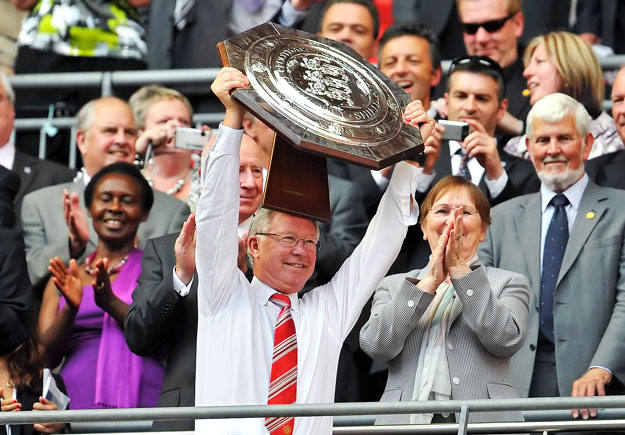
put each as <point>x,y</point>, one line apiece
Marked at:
<point>568,239</point>
<point>236,319</point>
<point>476,95</point>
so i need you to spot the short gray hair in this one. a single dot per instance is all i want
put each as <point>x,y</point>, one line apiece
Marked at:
<point>84,117</point>
<point>555,107</point>
<point>8,89</point>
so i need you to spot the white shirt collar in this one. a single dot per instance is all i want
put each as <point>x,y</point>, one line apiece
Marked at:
<point>7,155</point>
<point>263,292</point>
<point>454,146</point>
<point>573,193</point>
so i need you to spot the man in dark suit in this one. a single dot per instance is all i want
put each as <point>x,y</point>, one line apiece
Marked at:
<point>193,44</point>
<point>608,169</point>
<point>601,22</point>
<point>15,288</point>
<point>34,173</point>
<point>569,241</point>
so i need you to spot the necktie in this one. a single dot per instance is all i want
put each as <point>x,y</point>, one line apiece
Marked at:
<point>252,6</point>
<point>181,10</point>
<point>555,245</point>
<point>463,169</point>
<point>283,380</point>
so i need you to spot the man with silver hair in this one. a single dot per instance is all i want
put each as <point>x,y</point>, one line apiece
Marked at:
<point>574,261</point>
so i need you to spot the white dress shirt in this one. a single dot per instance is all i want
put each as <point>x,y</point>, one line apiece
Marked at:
<point>236,322</point>
<point>7,155</point>
<point>573,193</point>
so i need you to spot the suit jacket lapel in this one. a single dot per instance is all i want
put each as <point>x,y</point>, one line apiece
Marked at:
<point>591,208</point>
<point>443,164</point>
<point>527,221</point>
<point>19,167</point>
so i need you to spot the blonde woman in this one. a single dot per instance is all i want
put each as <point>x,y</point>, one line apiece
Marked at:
<point>564,62</point>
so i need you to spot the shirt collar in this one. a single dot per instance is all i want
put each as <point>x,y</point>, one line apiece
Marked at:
<point>82,175</point>
<point>262,293</point>
<point>7,155</point>
<point>454,146</point>
<point>573,193</point>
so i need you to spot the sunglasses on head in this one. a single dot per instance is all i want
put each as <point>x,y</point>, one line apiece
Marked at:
<point>475,63</point>
<point>490,26</point>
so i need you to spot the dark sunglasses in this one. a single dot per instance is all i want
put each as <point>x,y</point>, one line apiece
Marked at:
<point>490,26</point>
<point>475,63</point>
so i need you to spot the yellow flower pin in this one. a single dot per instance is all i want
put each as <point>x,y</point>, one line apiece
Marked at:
<point>590,215</point>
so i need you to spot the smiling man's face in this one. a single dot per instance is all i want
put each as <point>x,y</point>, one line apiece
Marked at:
<point>406,60</point>
<point>111,136</point>
<point>282,267</point>
<point>558,152</point>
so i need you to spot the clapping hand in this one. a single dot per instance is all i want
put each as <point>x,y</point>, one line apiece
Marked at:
<point>184,249</point>
<point>76,221</point>
<point>67,282</point>
<point>102,291</point>
<point>455,263</point>
<point>437,272</point>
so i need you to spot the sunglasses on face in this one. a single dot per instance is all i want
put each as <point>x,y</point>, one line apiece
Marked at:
<point>490,26</point>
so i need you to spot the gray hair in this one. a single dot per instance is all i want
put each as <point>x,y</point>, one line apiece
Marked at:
<point>261,223</point>
<point>84,117</point>
<point>8,89</point>
<point>555,107</point>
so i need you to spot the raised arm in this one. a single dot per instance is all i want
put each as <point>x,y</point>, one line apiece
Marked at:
<point>217,213</point>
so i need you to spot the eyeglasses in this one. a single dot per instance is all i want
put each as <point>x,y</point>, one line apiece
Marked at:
<point>290,241</point>
<point>490,26</point>
<point>443,212</point>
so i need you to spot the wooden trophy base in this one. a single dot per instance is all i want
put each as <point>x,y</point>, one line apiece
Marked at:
<point>297,183</point>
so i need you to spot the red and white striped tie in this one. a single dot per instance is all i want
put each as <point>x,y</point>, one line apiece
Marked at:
<point>283,380</point>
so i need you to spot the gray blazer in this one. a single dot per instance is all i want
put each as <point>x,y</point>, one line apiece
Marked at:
<point>46,234</point>
<point>589,316</point>
<point>489,323</point>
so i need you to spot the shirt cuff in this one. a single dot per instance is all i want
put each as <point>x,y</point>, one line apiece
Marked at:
<point>380,180</point>
<point>404,181</point>
<point>289,16</point>
<point>179,286</point>
<point>495,187</point>
<point>604,368</point>
<point>425,181</point>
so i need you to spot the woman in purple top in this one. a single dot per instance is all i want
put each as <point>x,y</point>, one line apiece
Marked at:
<point>84,306</point>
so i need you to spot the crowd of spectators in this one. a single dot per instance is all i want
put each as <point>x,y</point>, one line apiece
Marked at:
<point>483,298</point>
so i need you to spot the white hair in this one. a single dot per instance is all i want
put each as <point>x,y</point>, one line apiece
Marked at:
<point>8,89</point>
<point>555,107</point>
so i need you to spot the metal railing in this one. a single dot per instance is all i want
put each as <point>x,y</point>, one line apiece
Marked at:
<point>464,407</point>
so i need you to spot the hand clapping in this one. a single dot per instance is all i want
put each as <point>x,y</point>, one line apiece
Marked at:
<point>447,258</point>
